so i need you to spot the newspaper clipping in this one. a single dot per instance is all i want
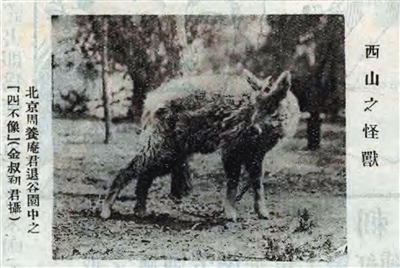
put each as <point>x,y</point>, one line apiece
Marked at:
<point>200,134</point>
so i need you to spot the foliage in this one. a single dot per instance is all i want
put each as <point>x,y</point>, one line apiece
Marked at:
<point>219,44</point>
<point>146,47</point>
<point>153,49</point>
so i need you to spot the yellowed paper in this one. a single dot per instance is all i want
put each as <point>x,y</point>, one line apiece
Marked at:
<point>331,168</point>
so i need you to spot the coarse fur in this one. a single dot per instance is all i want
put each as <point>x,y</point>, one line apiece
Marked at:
<point>244,126</point>
<point>178,90</point>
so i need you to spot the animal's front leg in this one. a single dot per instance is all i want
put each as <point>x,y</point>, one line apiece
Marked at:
<point>180,180</point>
<point>142,191</point>
<point>232,171</point>
<point>254,168</point>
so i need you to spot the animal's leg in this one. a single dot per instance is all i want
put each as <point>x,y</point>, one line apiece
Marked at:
<point>254,168</point>
<point>232,171</point>
<point>119,182</point>
<point>180,180</point>
<point>142,190</point>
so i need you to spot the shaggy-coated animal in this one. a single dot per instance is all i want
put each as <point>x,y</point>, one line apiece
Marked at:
<point>244,126</point>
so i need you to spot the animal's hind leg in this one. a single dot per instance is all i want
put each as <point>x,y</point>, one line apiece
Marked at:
<point>142,189</point>
<point>119,182</point>
<point>254,168</point>
<point>180,180</point>
<point>232,171</point>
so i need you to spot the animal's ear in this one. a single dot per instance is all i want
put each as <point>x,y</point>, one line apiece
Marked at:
<point>283,82</point>
<point>270,101</point>
<point>253,81</point>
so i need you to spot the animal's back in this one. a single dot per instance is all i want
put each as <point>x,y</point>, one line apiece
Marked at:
<point>203,90</point>
<point>185,87</point>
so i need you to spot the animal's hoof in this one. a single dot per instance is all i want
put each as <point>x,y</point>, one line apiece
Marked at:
<point>106,212</point>
<point>230,213</point>
<point>181,193</point>
<point>140,211</point>
<point>231,217</point>
<point>186,191</point>
<point>262,214</point>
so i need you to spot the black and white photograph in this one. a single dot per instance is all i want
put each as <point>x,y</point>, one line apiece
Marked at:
<point>196,133</point>
<point>199,137</point>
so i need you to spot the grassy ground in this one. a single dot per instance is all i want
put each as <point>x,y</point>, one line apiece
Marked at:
<point>297,180</point>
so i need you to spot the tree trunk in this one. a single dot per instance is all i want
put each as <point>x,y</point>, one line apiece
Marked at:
<point>314,131</point>
<point>138,71</point>
<point>107,95</point>
<point>181,29</point>
<point>139,88</point>
<point>180,23</point>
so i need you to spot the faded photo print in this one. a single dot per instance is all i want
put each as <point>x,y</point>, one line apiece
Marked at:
<point>218,138</point>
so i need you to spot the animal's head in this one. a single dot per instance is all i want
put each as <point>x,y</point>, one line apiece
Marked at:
<point>269,98</point>
<point>257,84</point>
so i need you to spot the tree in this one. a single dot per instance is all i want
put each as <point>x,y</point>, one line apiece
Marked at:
<point>147,48</point>
<point>107,94</point>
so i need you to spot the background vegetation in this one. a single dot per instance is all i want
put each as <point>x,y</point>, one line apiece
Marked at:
<point>138,53</point>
